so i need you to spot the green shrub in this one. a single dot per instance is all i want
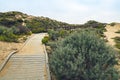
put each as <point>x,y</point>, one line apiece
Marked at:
<point>53,35</point>
<point>117,45</point>
<point>7,22</point>
<point>94,24</point>
<point>112,24</point>
<point>63,33</point>
<point>6,34</point>
<point>118,31</point>
<point>12,34</point>
<point>83,56</point>
<point>117,40</point>
<point>45,40</point>
<point>2,30</point>
<point>23,30</point>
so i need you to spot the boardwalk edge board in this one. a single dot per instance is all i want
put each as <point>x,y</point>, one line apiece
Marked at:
<point>6,60</point>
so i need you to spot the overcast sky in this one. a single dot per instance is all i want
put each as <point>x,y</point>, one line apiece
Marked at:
<point>70,11</point>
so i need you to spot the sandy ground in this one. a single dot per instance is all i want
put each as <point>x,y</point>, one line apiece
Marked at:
<point>110,33</point>
<point>7,47</point>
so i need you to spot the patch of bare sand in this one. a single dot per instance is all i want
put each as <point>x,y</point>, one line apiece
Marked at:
<point>7,47</point>
<point>110,33</point>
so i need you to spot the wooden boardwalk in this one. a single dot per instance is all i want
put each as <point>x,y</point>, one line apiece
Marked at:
<point>29,63</point>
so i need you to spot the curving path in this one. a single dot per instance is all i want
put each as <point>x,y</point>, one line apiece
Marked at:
<point>29,63</point>
<point>110,33</point>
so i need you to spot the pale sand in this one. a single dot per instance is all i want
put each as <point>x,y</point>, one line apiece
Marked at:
<point>7,47</point>
<point>110,33</point>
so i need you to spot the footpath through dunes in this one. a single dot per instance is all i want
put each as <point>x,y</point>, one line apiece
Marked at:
<point>29,63</point>
<point>111,33</point>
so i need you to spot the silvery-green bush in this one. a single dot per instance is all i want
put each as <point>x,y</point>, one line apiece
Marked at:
<point>83,56</point>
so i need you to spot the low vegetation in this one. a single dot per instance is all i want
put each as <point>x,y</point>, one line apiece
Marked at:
<point>12,34</point>
<point>112,24</point>
<point>45,40</point>
<point>118,31</point>
<point>26,24</point>
<point>55,35</point>
<point>117,40</point>
<point>17,23</point>
<point>83,56</point>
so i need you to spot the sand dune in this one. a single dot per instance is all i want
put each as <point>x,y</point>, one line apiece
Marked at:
<point>110,33</point>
